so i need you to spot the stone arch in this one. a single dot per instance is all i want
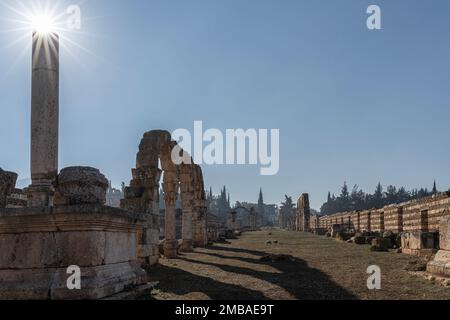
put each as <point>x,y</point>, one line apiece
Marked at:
<point>142,196</point>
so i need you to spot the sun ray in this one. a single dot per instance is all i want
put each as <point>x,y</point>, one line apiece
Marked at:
<point>78,46</point>
<point>14,30</point>
<point>12,44</point>
<point>14,10</point>
<point>16,61</point>
<point>47,18</point>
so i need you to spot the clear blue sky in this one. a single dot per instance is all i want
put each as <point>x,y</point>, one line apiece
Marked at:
<point>352,104</point>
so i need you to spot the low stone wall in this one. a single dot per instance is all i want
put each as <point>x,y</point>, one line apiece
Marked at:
<point>365,220</point>
<point>377,220</point>
<point>421,215</point>
<point>418,222</point>
<point>355,220</point>
<point>440,266</point>
<point>393,218</point>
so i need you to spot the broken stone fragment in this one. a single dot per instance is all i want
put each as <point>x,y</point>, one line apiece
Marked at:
<point>81,185</point>
<point>7,185</point>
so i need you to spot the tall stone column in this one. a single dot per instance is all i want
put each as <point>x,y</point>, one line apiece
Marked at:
<point>170,194</point>
<point>186,231</point>
<point>200,236</point>
<point>187,201</point>
<point>44,118</point>
<point>303,213</point>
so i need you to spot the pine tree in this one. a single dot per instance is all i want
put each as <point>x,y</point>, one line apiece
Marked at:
<point>378,196</point>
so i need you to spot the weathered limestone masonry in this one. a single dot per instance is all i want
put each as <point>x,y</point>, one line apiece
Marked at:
<point>170,186</point>
<point>365,220</point>
<point>425,215</point>
<point>187,199</point>
<point>417,221</point>
<point>314,222</point>
<point>200,222</point>
<point>440,266</point>
<point>214,227</point>
<point>303,213</point>
<point>421,223</point>
<point>7,184</point>
<point>377,220</point>
<point>44,119</point>
<point>66,223</point>
<point>38,244</point>
<point>355,220</point>
<point>142,196</point>
<point>17,199</point>
<point>393,218</point>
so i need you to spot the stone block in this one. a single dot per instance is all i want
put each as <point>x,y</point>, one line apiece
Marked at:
<point>82,248</point>
<point>120,247</point>
<point>28,251</point>
<point>419,243</point>
<point>151,236</point>
<point>444,234</point>
<point>42,284</point>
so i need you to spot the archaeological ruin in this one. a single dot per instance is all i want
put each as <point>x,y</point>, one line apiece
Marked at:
<point>420,227</point>
<point>61,221</point>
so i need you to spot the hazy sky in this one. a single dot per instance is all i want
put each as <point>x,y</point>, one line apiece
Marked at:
<point>352,104</point>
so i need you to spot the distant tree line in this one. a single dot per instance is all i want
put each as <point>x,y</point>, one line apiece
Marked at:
<point>358,200</point>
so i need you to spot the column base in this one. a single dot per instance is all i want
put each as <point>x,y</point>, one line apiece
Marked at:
<point>187,245</point>
<point>170,249</point>
<point>40,195</point>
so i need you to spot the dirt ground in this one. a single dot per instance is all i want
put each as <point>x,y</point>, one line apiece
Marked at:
<point>320,268</point>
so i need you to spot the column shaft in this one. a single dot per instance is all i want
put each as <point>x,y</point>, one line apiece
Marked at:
<point>44,118</point>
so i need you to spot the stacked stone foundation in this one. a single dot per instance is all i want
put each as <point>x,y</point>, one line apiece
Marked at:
<point>440,266</point>
<point>38,245</point>
<point>417,221</point>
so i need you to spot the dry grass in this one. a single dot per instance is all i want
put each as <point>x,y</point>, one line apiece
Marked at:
<point>321,268</point>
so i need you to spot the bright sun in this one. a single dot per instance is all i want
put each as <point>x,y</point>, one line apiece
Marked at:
<point>42,23</point>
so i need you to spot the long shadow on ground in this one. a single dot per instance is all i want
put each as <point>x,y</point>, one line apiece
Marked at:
<point>294,275</point>
<point>180,282</point>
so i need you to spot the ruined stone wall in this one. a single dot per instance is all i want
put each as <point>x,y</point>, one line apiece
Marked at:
<point>142,195</point>
<point>377,220</point>
<point>393,218</point>
<point>365,220</point>
<point>214,227</point>
<point>424,215</point>
<point>413,216</point>
<point>303,214</point>
<point>314,222</point>
<point>354,220</point>
<point>17,199</point>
